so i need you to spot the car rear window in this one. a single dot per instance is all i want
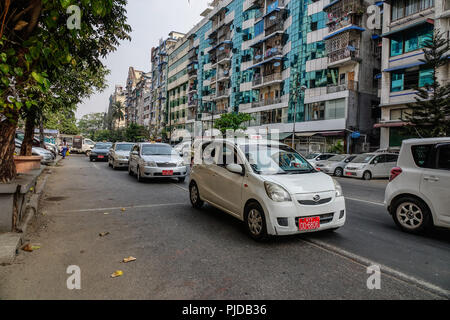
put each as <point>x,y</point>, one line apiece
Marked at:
<point>444,157</point>
<point>421,155</point>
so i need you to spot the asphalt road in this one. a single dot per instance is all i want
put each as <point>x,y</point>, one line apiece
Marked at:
<point>183,253</point>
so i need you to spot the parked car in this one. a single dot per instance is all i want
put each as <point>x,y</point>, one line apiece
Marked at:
<point>335,165</point>
<point>47,156</point>
<point>268,185</point>
<point>82,145</point>
<point>418,194</point>
<point>156,160</point>
<point>371,165</point>
<point>119,154</point>
<point>100,152</point>
<point>313,158</point>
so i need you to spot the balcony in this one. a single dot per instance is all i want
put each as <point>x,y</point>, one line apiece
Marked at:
<point>268,79</point>
<point>225,75</point>
<point>225,55</point>
<point>274,20</point>
<point>192,103</point>
<point>221,94</point>
<point>343,13</point>
<point>251,4</point>
<point>268,102</point>
<point>343,56</point>
<point>349,85</point>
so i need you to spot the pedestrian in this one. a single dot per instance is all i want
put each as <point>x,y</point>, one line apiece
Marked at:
<point>64,148</point>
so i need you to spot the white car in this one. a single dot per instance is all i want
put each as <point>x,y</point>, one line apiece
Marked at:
<point>418,194</point>
<point>371,165</point>
<point>268,185</point>
<point>119,154</point>
<point>313,158</point>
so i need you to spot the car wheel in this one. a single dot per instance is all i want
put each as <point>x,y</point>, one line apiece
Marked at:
<point>194,196</point>
<point>138,175</point>
<point>338,172</point>
<point>90,159</point>
<point>130,172</point>
<point>181,179</point>
<point>411,215</point>
<point>255,222</point>
<point>367,175</point>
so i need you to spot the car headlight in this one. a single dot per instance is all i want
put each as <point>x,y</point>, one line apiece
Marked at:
<point>120,157</point>
<point>276,192</point>
<point>338,188</point>
<point>150,163</point>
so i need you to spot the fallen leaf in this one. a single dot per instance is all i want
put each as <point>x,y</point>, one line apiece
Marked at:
<point>35,247</point>
<point>103,234</point>
<point>129,259</point>
<point>106,213</point>
<point>27,248</point>
<point>123,209</point>
<point>116,274</point>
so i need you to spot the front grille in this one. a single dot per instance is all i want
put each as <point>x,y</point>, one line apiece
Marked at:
<point>314,203</point>
<point>161,175</point>
<point>324,218</point>
<point>166,165</point>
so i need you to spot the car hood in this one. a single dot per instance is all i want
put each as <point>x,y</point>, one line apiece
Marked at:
<point>303,183</point>
<point>123,153</point>
<point>161,158</point>
<point>100,151</point>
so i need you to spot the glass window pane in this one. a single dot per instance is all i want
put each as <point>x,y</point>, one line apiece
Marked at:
<point>396,46</point>
<point>411,42</point>
<point>425,77</point>
<point>396,82</point>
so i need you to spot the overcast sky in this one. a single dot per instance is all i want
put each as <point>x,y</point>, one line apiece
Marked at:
<point>150,20</point>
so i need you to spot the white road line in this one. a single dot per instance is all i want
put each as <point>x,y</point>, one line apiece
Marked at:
<point>182,188</point>
<point>120,208</point>
<point>392,273</point>
<point>361,200</point>
<point>95,166</point>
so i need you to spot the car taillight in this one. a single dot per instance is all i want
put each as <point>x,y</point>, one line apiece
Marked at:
<point>394,173</point>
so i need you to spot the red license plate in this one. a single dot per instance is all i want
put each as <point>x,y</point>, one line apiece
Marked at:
<point>100,157</point>
<point>349,173</point>
<point>311,223</point>
<point>167,173</point>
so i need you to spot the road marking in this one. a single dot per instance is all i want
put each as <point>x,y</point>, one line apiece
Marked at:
<point>392,273</point>
<point>180,187</point>
<point>120,208</point>
<point>366,201</point>
<point>95,166</point>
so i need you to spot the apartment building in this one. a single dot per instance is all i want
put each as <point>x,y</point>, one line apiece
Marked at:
<point>407,25</point>
<point>130,95</point>
<point>158,113</point>
<point>141,97</point>
<point>117,96</point>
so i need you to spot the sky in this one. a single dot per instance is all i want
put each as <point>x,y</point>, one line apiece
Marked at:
<point>150,20</point>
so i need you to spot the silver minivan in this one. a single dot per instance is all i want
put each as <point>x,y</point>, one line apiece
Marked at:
<point>371,165</point>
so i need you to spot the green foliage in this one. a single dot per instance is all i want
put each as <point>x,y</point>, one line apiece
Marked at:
<point>338,147</point>
<point>430,115</point>
<point>64,121</point>
<point>90,123</point>
<point>232,121</point>
<point>136,133</point>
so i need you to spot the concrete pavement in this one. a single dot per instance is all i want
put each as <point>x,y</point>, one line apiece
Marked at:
<point>184,253</point>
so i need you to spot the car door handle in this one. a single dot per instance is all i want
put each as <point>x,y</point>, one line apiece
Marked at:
<point>431,178</point>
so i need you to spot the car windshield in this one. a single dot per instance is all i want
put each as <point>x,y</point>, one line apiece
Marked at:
<point>102,146</point>
<point>363,158</point>
<point>338,158</point>
<point>311,156</point>
<point>275,159</point>
<point>124,147</point>
<point>157,149</point>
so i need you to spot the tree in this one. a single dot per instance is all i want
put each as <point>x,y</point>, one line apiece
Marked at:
<point>118,113</point>
<point>90,123</point>
<point>38,38</point>
<point>430,114</point>
<point>136,133</point>
<point>232,121</point>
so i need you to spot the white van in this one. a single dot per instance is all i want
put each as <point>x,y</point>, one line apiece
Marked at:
<point>371,165</point>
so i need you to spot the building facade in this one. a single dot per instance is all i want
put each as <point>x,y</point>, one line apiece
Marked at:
<point>407,25</point>
<point>130,95</point>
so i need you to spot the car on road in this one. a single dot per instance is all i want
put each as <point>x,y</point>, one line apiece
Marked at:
<point>335,165</point>
<point>100,152</point>
<point>418,194</point>
<point>371,165</point>
<point>156,160</point>
<point>119,154</point>
<point>313,158</point>
<point>267,185</point>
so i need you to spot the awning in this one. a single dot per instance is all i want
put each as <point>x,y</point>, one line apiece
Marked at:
<point>306,134</point>
<point>351,27</point>
<point>332,133</point>
<point>407,27</point>
<point>405,66</point>
<point>330,4</point>
<point>265,61</point>
<point>390,124</point>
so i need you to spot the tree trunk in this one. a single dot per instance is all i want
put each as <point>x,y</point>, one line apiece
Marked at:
<point>41,131</point>
<point>27,143</point>
<point>7,147</point>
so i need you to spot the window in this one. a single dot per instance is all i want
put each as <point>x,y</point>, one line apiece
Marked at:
<point>313,26</point>
<point>391,158</point>
<point>404,8</point>
<point>426,77</point>
<point>421,154</point>
<point>396,81</point>
<point>396,46</point>
<point>410,40</point>
<point>443,161</point>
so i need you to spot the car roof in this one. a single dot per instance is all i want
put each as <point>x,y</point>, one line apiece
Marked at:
<point>426,140</point>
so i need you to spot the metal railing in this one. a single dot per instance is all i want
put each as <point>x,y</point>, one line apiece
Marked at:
<point>268,102</point>
<point>343,53</point>
<point>349,85</point>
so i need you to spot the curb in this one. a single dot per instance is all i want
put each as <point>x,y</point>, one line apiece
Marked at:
<point>11,241</point>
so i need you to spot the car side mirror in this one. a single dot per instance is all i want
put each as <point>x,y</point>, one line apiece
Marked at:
<point>235,168</point>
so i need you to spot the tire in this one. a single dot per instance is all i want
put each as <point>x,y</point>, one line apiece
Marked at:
<point>194,196</point>
<point>255,222</point>
<point>339,172</point>
<point>181,180</point>
<point>367,175</point>
<point>138,175</point>
<point>411,215</point>
<point>130,172</point>
<point>91,160</point>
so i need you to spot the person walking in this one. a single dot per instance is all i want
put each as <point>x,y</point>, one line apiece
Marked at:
<point>65,148</point>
